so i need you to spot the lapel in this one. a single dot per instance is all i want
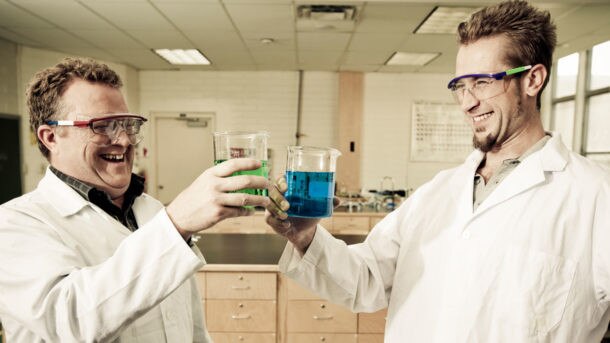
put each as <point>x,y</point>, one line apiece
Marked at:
<point>67,202</point>
<point>529,173</point>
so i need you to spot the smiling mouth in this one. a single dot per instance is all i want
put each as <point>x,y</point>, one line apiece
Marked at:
<point>114,158</point>
<point>482,117</point>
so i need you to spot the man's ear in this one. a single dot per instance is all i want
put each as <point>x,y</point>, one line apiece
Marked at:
<point>46,134</point>
<point>533,80</point>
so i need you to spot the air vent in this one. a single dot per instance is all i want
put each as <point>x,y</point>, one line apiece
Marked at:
<point>326,17</point>
<point>327,12</point>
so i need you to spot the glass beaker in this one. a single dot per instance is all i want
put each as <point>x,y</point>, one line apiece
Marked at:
<point>310,176</point>
<point>237,144</point>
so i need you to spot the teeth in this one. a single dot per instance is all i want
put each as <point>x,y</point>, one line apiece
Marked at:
<point>482,117</point>
<point>113,157</point>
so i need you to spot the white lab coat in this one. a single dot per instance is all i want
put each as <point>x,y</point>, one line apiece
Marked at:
<point>69,272</point>
<point>531,264</point>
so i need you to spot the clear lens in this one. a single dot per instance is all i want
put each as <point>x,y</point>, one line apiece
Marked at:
<point>108,131</point>
<point>481,88</point>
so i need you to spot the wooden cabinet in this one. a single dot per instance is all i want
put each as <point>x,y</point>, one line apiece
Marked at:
<point>240,306</point>
<point>350,225</point>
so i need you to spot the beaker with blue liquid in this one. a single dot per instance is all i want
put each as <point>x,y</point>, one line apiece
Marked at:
<point>310,176</point>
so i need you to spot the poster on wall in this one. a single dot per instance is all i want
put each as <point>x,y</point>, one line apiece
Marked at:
<point>439,133</point>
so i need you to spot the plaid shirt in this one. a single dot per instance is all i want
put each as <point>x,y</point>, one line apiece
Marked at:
<point>125,214</point>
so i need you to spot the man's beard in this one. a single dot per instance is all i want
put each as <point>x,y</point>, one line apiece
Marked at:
<point>486,144</point>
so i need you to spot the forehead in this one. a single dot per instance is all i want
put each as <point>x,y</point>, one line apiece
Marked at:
<point>92,99</point>
<point>486,55</point>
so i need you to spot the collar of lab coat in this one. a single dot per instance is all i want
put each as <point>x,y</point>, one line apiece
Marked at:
<point>553,157</point>
<point>61,196</point>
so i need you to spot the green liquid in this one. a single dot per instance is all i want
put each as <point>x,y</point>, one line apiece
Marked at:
<point>262,171</point>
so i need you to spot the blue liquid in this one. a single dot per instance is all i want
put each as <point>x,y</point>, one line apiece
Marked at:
<point>310,194</point>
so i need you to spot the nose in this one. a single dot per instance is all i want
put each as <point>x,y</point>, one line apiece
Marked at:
<point>121,137</point>
<point>469,101</point>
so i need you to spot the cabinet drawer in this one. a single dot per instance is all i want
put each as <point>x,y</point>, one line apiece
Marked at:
<point>296,292</point>
<point>321,337</point>
<point>370,338</point>
<point>200,277</point>
<point>259,225</point>
<point>241,315</point>
<point>231,285</point>
<point>372,322</point>
<point>350,225</point>
<point>319,316</point>
<point>245,337</point>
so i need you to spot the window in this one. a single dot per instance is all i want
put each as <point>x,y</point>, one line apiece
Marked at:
<point>580,102</point>
<point>564,95</point>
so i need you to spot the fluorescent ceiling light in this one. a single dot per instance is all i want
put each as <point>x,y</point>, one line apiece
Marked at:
<point>412,58</point>
<point>445,20</point>
<point>183,56</point>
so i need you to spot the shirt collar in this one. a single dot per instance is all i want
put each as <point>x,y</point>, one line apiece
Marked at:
<point>94,195</point>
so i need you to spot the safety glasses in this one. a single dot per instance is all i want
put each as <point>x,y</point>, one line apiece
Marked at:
<point>482,86</point>
<point>107,130</point>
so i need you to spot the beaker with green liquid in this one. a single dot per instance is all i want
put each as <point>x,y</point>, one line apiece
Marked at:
<point>238,144</point>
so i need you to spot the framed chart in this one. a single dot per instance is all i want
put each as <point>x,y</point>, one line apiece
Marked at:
<point>439,133</point>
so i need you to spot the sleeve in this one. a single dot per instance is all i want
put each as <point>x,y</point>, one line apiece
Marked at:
<point>45,286</point>
<point>357,276</point>
<point>601,237</point>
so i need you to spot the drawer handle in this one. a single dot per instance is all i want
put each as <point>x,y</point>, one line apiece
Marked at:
<point>240,316</point>
<point>240,288</point>
<point>316,317</point>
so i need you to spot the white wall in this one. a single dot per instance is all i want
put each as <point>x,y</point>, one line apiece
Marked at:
<point>240,101</point>
<point>388,99</point>
<point>32,60</point>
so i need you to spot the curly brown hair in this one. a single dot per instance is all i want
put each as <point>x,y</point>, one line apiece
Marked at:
<point>47,86</point>
<point>530,30</point>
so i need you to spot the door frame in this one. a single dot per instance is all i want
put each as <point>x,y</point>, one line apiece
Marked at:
<point>155,116</point>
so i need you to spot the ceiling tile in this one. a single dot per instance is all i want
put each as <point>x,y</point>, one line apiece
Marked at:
<point>55,11</point>
<point>229,56</point>
<point>17,38</point>
<point>269,57</point>
<point>309,57</point>
<point>397,69</point>
<point>54,38</point>
<point>191,16</point>
<point>94,53</point>
<point>219,40</point>
<point>277,45</point>
<point>396,11</point>
<point>445,63</point>
<point>322,41</point>
<point>267,19</point>
<point>366,57</point>
<point>586,18</point>
<point>131,15</point>
<point>114,39</point>
<point>384,42</point>
<point>429,43</point>
<point>141,59</point>
<point>13,16</point>
<point>155,39</point>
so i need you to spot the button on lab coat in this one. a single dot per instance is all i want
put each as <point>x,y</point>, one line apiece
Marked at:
<point>531,264</point>
<point>69,272</point>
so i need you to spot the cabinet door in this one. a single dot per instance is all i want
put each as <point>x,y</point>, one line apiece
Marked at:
<point>237,285</point>
<point>372,322</point>
<point>200,277</point>
<point>296,292</point>
<point>319,316</point>
<point>241,315</point>
<point>245,337</point>
<point>374,221</point>
<point>321,337</point>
